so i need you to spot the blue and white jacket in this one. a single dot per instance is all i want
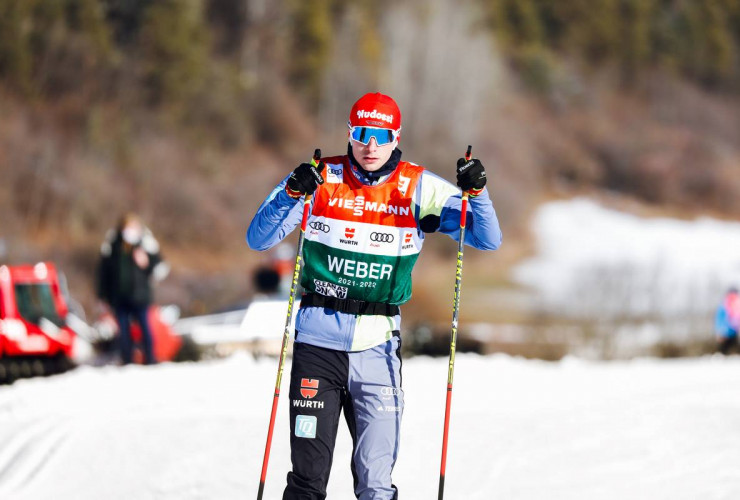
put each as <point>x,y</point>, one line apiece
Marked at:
<point>436,204</point>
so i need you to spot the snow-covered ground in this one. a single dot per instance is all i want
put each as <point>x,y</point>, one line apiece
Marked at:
<point>644,429</point>
<point>594,260</point>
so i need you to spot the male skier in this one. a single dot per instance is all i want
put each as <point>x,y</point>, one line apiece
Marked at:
<point>369,216</point>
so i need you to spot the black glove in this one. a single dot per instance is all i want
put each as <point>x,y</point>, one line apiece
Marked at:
<point>470,174</point>
<point>305,179</point>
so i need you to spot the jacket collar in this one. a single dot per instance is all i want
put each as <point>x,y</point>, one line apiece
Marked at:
<point>374,177</point>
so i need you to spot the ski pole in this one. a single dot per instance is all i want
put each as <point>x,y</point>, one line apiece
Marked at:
<point>286,333</point>
<point>453,336</point>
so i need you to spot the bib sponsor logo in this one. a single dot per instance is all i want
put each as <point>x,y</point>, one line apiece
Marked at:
<point>334,175</point>
<point>374,114</point>
<point>349,233</point>
<point>358,206</point>
<point>359,269</point>
<point>359,209</point>
<point>305,426</point>
<point>309,387</point>
<point>319,226</point>
<point>403,184</point>
<point>408,240</point>
<point>330,289</point>
<point>381,237</point>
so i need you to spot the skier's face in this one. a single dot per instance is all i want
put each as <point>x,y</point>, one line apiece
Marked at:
<point>371,156</point>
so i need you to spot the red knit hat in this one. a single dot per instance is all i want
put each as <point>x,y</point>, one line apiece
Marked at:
<point>375,110</point>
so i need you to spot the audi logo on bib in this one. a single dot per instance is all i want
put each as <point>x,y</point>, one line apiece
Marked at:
<point>381,237</point>
<point>319,226</point>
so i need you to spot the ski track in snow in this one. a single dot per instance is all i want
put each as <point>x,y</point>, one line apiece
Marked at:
<point>27,451</point>
<point>642,429</point>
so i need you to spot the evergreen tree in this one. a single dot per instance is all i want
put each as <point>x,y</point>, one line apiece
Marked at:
<point>174,46</point>
<point>312,41</point>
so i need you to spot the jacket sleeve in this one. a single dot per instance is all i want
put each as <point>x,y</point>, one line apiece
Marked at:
<point>155,259</point>
<point>439,203</point>
<point>158,268</point>
<point>275,219</point>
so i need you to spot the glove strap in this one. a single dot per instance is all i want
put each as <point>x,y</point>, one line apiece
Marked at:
<point>475,192</point>
<point>293,194</point>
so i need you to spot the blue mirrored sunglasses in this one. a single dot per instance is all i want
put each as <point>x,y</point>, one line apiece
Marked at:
<point>382,136</point>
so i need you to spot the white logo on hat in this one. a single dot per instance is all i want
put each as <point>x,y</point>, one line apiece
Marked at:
<point>374,114</point>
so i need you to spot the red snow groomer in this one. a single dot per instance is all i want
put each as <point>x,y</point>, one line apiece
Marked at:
<point>35,339</point>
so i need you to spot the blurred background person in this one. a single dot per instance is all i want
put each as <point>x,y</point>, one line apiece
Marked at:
<point>266,282</point>
<point>272,280</point>
<point>129,261</point>
<point>727,321</point>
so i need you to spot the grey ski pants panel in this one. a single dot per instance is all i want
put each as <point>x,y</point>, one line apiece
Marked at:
<point>367,385</point>
<point>377,403</point>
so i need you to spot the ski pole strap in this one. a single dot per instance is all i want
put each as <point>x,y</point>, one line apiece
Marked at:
<point>350,306</point>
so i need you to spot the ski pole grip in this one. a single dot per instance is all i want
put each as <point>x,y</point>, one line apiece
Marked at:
<point>316,157</point>
<point>468,155</point>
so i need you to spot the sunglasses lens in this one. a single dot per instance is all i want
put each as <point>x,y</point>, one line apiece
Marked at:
<point>382,136</point>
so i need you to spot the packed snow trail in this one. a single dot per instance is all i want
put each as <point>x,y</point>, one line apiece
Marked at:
<point>644,429</point>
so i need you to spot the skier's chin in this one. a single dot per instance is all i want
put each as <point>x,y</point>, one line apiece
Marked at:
<point>371,164</point>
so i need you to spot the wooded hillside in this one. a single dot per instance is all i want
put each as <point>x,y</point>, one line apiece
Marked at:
<point>189,111</point>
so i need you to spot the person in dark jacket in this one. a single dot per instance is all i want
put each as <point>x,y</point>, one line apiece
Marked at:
<point>129,260</point>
